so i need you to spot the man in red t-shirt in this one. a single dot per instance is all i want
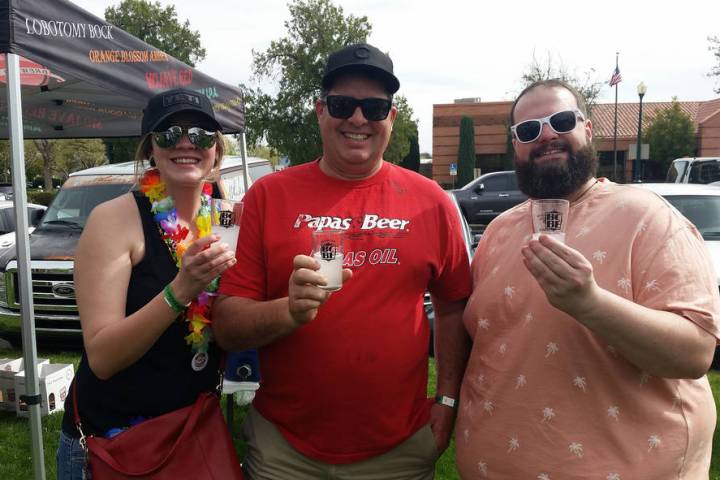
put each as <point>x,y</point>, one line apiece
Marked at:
<point>344,383</point>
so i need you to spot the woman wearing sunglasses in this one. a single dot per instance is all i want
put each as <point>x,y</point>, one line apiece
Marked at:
<point>144,273</point>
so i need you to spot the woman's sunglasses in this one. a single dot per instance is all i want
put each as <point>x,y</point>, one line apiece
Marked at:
<point>373,109</point>
<point>560,122</point>
<point>171,137</point>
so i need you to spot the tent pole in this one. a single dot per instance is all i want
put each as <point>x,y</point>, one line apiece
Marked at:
<point>243,155</point>
<point>23,251</point>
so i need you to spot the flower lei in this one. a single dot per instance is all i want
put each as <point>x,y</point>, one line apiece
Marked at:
<point>197,315</point>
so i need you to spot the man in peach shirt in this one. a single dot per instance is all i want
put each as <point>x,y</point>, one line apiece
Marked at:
<point>588,357</point>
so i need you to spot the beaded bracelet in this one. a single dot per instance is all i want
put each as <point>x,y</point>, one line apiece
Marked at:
<point>172,301</point>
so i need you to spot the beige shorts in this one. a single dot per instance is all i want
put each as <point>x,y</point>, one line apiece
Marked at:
<point>270,457</point>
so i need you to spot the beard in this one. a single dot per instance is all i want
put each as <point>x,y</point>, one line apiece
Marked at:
<point>556,180</point>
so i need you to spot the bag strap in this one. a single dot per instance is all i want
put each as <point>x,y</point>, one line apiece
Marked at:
<point>100,452</point>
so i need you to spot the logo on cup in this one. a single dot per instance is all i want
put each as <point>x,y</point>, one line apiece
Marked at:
<point>328,251</point>
<point>226,218</point>
<point>552,220</point>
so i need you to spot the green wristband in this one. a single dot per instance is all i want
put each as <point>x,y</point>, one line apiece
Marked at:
<point>172,301</point>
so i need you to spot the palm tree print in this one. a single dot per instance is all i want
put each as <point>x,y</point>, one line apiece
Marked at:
<point>581,383</point>
<point>494,271</point>
<point>513,444</point>
<point>624,284</point>
<point>576,448</point>
<point>503,349</point>
<point>653,442</point>
<point>652,286</point>
<point>551,349</point>
<point>599,256</point>
<point>613,476</point>
<point>583,231</point>
<point>543,476</point>
<point>613,411</point>
<point>520,381</point>
<point>528,318</point>
<point>488,406</point>
<point>482,468</point>
<point>642,226</point>
<point>548,414</point>
<point>483,323</point>
<point>509,291</point>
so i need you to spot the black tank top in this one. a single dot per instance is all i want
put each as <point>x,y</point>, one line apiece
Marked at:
<point>162,380</point>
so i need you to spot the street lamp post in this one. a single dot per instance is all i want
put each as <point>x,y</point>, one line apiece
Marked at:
<point>641,89</point>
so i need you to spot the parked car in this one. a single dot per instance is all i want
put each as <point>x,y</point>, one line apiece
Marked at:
<point>488,196</point>
<point>7,220</point>
<point>52,244</point>
<point>701,205</point>
<point>694,170</point>
<point>471,243</point>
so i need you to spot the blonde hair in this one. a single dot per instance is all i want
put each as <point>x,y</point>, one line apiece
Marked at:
<point>144,150</point>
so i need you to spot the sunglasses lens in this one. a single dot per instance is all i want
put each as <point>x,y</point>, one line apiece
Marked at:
<point>169,138</point>
<point>340,106</point>
<point>563,122</point>
<point>528,131</point>
<point>375,109</point>
<point>201,138</point>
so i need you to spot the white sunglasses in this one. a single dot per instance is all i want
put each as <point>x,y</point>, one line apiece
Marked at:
<point>560,122</point>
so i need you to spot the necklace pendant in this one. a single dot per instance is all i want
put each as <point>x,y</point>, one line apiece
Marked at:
<point>199,361</point>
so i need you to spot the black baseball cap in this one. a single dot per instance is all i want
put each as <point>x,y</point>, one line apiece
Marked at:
<point>163,105</point>
<point>361,57</point>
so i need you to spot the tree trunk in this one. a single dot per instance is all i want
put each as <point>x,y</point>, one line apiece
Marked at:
<point>47,152</point>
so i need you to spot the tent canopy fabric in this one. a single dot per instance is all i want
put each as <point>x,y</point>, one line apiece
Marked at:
<point>82,77</point>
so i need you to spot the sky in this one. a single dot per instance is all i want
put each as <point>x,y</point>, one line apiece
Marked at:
<point>449,49</point>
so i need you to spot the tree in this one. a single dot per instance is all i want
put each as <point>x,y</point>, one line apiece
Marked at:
<point>159,27</point>
<point>46,150</point>
<point>286,122</point>
<point>586,85</point>
<point>671,135</point>
<point>715,48</point>
<point>79,154</point>
<point>466,151</point>
<point>412,159</point>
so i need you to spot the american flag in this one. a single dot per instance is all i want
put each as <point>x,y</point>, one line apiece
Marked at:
<point>616,77</point>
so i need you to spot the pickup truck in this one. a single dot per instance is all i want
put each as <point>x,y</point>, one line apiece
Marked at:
<point>694,170</point>
<point>53,242</point>
<point>488,196</point>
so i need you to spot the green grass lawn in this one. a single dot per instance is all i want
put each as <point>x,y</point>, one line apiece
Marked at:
<point>15,447</point>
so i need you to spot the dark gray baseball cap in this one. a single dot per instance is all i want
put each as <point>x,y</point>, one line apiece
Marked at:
<point>364,58</point>
<point>163,105</point>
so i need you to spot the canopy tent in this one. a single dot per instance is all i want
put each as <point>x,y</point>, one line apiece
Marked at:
<point>65,73</point>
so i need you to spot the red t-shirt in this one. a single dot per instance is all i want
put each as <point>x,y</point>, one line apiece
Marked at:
<point>351,384</point>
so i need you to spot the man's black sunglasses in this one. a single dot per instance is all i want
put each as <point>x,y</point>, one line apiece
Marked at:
<point>373,109</point>
<point>171,137</point>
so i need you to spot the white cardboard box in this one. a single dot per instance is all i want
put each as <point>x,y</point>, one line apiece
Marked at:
<point>8,370</point>
<point>54,379</point>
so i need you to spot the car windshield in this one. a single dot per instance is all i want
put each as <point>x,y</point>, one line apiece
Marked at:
<point>72,206</point>
<point>702,210</point>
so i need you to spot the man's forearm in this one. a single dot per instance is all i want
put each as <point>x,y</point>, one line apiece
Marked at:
<point>658,342</point>
<point>452,346</point>
<point>241,323</point>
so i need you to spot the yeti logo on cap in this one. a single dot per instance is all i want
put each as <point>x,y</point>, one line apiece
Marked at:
<point>181,98</point>
<point>362,53</point>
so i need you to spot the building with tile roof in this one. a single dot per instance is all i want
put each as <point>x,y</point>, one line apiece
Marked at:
<point>494,149</point>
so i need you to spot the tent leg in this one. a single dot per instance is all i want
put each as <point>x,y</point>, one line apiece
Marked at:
<point>14,101</point>
<point>243,155</point>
